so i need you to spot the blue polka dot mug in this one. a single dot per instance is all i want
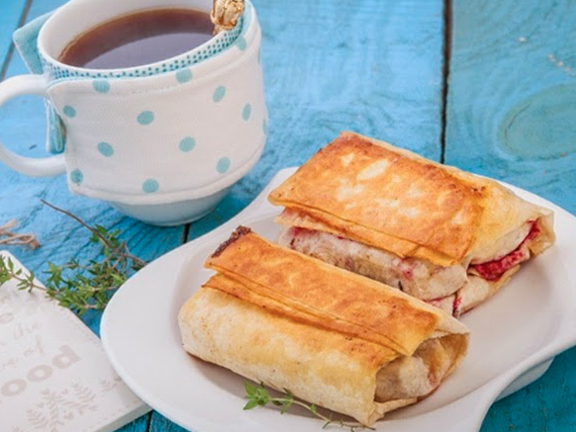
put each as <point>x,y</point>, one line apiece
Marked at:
<point>162,142</point>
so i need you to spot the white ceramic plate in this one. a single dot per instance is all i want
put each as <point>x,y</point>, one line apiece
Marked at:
<point>514,336</point>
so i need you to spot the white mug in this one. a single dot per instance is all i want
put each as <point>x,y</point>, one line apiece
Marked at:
<point>162,142</point>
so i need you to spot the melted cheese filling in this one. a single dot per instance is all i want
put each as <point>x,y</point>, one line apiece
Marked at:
<point>413,276</point>
<point>454,289</point>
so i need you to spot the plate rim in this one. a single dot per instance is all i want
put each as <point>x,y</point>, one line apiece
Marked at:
<point>482,397</point>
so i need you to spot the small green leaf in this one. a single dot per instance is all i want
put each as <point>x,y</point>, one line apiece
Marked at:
<point>286,405</point>
<point>81,287</point>
<point>250,388</point>
<point>259,396</point>
<point>251,404</point>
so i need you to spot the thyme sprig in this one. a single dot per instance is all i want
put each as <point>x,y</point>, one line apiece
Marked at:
<point>258,395</point>
<point>81,287</point>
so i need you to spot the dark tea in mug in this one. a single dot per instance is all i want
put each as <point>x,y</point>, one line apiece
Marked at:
<point>139,38</point>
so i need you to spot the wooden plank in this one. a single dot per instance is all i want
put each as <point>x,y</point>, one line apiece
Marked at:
<point>22,128</point>
<point>159,423</point>
<point>369,66</point>
<point>511,110</point>
<point>511,95</point>
<point>10,14</point>
<point>325,71</point>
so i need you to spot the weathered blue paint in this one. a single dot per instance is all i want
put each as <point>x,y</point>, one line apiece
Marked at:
<point>327,67</point>
<point>371,66</point>
<point>511,115</point>
<point>10,13</point>
<point>374,67</point>
<point>22,128</point>
<point>543,126</point>
<point>511,77</point>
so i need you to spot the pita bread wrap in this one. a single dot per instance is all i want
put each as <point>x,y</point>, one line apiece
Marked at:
<point>434,231</point>
<point>329,336</point>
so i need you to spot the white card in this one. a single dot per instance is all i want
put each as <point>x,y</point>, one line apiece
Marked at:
<point>54,374</point>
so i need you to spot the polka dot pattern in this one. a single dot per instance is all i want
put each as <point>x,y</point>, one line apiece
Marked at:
<point>69,111</point>
<point>122,129</point>
<point>105,149</point>
<point>223,165</point>
<point>187,144</point>
<point>183,76</point>
<point>150,185</point>
<point>101,85</point>
<point>219,93</point>
<point>76,177</point>
<point>145,117</point>
<point>246,111</point>
<point>241,43</point>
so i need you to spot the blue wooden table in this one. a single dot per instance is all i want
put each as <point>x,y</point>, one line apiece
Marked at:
<point>488,86</point>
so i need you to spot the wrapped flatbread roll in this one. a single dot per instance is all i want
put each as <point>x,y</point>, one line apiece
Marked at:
<point>329,336</point>
<point>435,232</point>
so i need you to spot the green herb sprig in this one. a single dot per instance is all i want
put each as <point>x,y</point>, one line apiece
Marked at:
<point>81,287</point>
<point>259,396</point>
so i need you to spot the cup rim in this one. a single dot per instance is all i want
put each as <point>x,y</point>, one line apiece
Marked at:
<point>245,20</point>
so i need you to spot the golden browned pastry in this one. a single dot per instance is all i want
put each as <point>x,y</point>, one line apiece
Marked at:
<point>434,231</point>
<point>329,336</point>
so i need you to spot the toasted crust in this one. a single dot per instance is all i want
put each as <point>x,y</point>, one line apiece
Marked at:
<point>321,366</point>
<point>309,290</point>
<point>293,322</point>
<point>238,232</point>
<point>390,198</point>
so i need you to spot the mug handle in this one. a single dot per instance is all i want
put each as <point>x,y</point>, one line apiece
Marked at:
<point>35,167</point>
